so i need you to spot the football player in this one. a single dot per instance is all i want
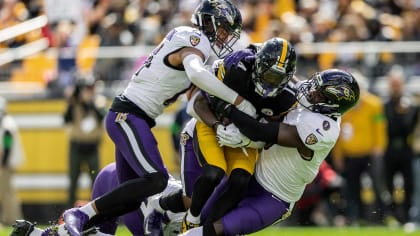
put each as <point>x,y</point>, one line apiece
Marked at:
<point>106,181</point>
<point>259,73</point>
<point>302,141</point>
<point>261,76</point>
<point>172,67</point>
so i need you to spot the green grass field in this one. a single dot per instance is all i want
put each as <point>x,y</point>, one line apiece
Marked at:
<point>302,231</point>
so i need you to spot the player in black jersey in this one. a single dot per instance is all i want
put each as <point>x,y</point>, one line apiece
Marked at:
<point>259,73</point>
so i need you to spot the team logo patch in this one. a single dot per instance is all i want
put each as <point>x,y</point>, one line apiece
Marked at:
<point>311,139</point>
<point>184,138</point>
<point>326,125</point>
<point>194,40</point>
<point>121,117</point>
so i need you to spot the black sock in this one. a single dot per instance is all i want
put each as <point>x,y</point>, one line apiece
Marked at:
<point>208,229</point>
<point>173,202</point>
<point>231,196</point>
<point>204,187</point>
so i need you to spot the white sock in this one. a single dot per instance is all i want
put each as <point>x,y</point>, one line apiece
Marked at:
<point>193,219</point>
<point>88,209</point>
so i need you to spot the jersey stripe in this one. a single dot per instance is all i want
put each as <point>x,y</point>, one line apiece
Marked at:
<point>135,146</point>
<point>283,54</point>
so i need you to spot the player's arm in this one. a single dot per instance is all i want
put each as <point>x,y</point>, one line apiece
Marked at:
<point>193,62</point>
<point>271,132</point>
<point>200,109</point>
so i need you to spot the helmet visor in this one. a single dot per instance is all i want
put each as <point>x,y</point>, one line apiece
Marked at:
<point>275,77</point>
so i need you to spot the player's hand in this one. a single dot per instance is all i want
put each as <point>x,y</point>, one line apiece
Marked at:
<point>233,59</point>
<point>231,136</point>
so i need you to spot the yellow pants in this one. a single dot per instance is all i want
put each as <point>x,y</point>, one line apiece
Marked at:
<point>226,158</point>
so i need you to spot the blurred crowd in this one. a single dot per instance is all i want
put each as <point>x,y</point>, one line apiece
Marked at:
<point>145,22</point>
<point>372,174</point>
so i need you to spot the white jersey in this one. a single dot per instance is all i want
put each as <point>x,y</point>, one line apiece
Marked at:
<point>282,170</point>
<point>156,84</point>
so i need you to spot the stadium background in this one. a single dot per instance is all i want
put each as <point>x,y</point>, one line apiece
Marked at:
<point>370,36</point>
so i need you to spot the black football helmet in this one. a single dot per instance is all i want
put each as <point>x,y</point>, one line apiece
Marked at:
<point>221,22</point>
<point>275,64</point>
<point>330,92</point>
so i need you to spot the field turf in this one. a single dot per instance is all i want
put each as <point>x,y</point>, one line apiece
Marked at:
<point>302,231</point>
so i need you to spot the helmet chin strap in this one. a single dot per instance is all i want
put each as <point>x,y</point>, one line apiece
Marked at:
<point>263,92</point>
<point>304,101</point>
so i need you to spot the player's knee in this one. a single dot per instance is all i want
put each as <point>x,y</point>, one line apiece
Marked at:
<point>159,180</point>
<point>239,179</point>
<point>212,174</point>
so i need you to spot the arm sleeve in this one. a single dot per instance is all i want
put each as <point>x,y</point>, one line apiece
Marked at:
<point>254,130</point>
<point>202,78</point>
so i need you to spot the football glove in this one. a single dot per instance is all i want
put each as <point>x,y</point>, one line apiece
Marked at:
<point>231,136</point>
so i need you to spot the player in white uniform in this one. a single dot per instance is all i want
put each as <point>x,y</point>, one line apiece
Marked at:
<point>301,142</point>
<point>176,64</point>
<point>105,182</point>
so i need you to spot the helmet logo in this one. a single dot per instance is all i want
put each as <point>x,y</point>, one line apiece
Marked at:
<point>223,9</point>
<point>341,93</point>
<point>194,40</point>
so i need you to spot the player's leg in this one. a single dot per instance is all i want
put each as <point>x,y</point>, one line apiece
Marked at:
<point>139,166</point>
<point>180,201</point>
<point>240,169</point>
<point>256,211</point>
<point>177,196</point>
<point>211,157</point>
<point>105,181</point>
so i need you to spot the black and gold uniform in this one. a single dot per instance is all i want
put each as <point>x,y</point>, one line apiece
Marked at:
<point>261,74</point>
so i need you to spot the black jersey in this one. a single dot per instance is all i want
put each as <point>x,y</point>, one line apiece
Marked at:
<point>236,70</point>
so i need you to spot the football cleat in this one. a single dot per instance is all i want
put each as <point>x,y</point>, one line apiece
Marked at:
<point>186,225</point>
<point>153,224</point>
<point>74,221</point>
<point>22,228</point>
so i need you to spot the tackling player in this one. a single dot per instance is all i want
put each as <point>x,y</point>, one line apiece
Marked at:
<point>303,138</point>
<point>261,75</point>
<point>172,67</point>
<point>106,181</point>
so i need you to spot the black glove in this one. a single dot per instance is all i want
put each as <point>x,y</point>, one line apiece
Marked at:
<point>221,107</point>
